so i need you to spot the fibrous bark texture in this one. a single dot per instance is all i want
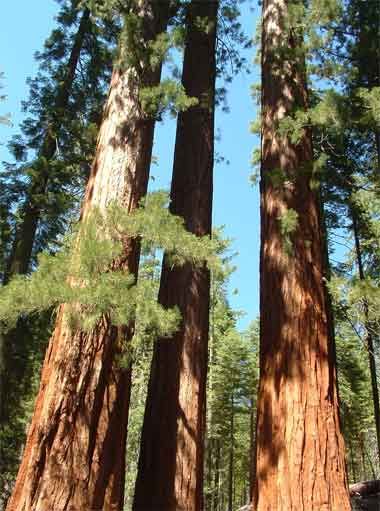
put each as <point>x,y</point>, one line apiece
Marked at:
<point>300,450</point>
<point>170,471</point>
<point>75,453</point>
<point>25,234</point>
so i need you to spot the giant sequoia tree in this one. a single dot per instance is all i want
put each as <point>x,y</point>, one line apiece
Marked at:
<point>300,451</point>
<point>170,472</point>
<point>81,412</point>
<point>40,190</point>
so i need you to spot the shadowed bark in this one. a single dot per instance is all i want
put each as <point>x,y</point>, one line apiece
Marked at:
<point>25,234</point>
<point>300,461</point>
<point>170,472</point>
<point>74,458</point>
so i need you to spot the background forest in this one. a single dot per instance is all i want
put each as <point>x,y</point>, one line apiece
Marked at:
<point>144,276</point>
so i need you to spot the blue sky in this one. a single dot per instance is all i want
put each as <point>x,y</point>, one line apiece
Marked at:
<point>236,202</point>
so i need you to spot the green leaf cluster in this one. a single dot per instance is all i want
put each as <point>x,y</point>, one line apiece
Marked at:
<point>288,224</point>
<point>81,273</point>
<point>168,95</point>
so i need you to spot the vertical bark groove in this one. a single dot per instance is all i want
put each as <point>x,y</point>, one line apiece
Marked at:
<point>75,452</point>
<point>170,471</point>
<point>300,451</point>
<point>19,260</point>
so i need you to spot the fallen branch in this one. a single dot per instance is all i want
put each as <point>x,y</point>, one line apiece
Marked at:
<point>365,488</point>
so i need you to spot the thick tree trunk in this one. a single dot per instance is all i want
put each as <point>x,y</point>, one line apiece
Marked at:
<point>369,336</point>
<point>300,450</point>
<point>170,473</point>
<point>26,232</point>
<point>75,452</point>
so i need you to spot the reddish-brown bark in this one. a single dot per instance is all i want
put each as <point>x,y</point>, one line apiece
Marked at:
<point>25,233</point>
<point>170,472</point>
<point>300,450</point>
<point>75,452</point>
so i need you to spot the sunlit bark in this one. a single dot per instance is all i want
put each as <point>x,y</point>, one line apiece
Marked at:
<point>300,451</point>
<point>74,458</point>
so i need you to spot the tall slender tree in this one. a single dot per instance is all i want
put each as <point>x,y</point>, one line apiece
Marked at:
<point>364,21</point>
<point>19,259</point>
<point>75,452</point>
<point>352,161</point>
<point>369,330</point>
<point>300,450</point>
<point>170,472</point>
<point>65,102</point>
<point>26,232</point>
<point>363,49</point>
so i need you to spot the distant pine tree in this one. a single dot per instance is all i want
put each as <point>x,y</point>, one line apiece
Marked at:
<point>57,142</point>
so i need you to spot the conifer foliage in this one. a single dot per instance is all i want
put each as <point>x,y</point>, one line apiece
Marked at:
<point>170,472</point>
<point>300,451</point>
<point>149,397</point>
<point>82,407</point>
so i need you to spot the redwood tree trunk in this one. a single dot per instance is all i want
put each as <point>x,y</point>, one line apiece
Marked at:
<point>75,453</point>
<point>170,472</point>
<point>25,233</point>
<point>300,461</point>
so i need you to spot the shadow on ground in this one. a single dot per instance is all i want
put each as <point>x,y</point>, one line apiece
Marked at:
<point>366,504</point>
